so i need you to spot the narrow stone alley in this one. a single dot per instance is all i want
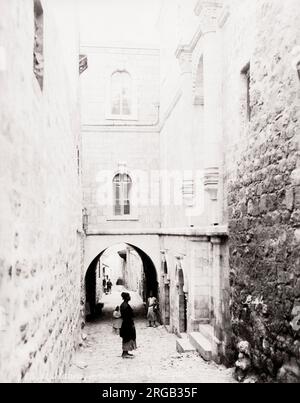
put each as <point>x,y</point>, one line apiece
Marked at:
<point>150,146</point>
<point>155,361</point>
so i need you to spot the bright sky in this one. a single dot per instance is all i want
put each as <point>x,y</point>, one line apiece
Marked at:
<point>108,22</point>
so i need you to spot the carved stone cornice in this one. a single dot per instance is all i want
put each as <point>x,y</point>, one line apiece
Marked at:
<point>190,47</point>
<point>208,12</point>
<point>211,182</point>
<point>184,56</point>
<point>188,192</point>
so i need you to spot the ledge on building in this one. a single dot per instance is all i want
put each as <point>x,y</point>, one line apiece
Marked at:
<point>122,218</point>
<point>118,119</point>
<point>210,231</point>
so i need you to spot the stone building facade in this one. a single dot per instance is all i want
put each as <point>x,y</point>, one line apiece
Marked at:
<point>133,270</point>
<point>228,137</point>
<point>41,203</point>
<point>115,144</point>
<point>194,255</point>
<point>240,78</point>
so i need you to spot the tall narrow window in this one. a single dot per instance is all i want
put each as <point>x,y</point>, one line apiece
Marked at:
<point>247,83</point>
<point>38,52</point>
<point>121,94</point>
<point>122,186</point>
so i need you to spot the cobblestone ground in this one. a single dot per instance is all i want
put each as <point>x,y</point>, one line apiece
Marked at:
<point>156,359</point>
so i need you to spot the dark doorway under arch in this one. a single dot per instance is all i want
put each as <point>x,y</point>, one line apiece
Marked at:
<point>167,305</point>
<point>166,297</point>
<point>150,282</point>
<point>182,303</point>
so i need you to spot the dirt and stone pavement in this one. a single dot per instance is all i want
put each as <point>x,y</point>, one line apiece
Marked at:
<point>155,361</point>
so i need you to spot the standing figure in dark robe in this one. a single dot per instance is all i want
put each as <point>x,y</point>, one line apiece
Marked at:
<point>127,331</point>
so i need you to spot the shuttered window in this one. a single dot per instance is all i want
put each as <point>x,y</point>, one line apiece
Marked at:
<point>122,187</point>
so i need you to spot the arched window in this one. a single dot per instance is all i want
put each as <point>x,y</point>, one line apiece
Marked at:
<point>122,186</point>
<point>121,94</point>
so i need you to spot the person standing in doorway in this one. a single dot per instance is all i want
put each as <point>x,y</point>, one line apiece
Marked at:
<point>127,331</point>
<point>152,310</point>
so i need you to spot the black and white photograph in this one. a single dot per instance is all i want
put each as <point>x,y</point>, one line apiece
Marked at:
<point>150,194</point>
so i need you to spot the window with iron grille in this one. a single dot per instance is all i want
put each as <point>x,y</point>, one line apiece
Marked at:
<point>122,187</point>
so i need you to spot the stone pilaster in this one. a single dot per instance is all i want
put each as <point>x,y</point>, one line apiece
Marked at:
<point>184,56</point>
<point>200,282</point>
<point>208,12</point>
<point>216,283</point>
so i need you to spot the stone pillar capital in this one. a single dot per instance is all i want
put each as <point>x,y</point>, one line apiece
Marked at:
<point>215,240</point>
<point>180,257</point>
<point>207,11</point>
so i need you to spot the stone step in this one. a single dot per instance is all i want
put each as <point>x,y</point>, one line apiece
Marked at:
<point>202,345</point>
<point>182,335</point>
<point>183,345</point>
<point>207,331</point>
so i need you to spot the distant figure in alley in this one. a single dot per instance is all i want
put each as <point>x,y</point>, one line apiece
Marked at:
<point>109,286</point>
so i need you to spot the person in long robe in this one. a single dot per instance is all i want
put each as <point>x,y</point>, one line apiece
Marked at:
<point>127,331</point>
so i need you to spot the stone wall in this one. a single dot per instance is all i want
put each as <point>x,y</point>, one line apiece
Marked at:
<point>40,200</point>
<point>262,187</point>
<point>134,272</point>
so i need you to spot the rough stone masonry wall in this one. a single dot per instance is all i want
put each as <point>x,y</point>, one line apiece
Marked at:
<point>264,205</point>
<point>40,199</point>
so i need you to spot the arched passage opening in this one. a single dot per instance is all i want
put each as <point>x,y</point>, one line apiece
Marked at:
<point>98,273</point>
